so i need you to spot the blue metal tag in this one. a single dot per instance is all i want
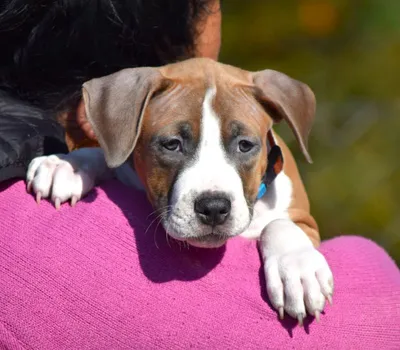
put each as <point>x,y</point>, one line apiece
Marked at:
<point>261,190</point>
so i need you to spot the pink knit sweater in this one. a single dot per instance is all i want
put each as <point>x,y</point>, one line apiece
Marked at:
<point>93,277</point>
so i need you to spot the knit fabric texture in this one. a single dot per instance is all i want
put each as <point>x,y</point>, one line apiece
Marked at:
<point>102,275</point>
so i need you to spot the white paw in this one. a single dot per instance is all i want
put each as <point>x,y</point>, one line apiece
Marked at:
<point>299,281</point>
<point>58,177</point>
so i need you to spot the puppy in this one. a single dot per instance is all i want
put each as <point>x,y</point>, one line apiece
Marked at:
<point>197,137</point>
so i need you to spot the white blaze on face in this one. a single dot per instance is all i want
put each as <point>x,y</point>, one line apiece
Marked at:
<point>209,172</point>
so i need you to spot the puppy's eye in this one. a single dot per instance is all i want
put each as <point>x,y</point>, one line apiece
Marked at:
<point>173,145</point>
<point>245,146</point>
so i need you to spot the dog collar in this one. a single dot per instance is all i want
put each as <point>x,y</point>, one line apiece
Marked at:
<point>275,166</point>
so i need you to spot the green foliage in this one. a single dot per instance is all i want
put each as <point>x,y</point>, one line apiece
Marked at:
<point>348,51</point>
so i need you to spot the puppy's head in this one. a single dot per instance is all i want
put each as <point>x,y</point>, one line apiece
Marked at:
<point>196,132</point>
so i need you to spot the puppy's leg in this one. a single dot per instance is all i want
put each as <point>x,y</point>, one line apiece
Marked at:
<point>297,274</point>
<point>67,176</point>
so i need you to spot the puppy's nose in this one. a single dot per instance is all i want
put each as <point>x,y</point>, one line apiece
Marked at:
<point>212,210</point>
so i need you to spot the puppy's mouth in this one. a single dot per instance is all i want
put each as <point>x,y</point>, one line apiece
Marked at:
<point>211,240</point>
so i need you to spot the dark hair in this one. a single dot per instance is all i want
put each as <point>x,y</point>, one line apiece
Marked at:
<point>50,47</point>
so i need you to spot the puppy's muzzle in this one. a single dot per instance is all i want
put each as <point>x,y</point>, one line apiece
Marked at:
<point>212,209</point>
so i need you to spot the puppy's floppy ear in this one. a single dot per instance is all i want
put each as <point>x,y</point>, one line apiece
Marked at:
<point>115,106</point>
<point>288,99</point>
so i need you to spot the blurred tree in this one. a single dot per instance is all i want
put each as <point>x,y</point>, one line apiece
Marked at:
<point>348,51</point>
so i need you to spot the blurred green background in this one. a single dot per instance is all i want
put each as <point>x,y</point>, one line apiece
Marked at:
<point>348,52</point>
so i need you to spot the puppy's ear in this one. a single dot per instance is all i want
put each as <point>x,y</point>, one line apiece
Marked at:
<point>115,106</point>
<point>288,99</point>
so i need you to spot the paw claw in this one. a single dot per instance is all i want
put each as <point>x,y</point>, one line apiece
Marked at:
<point>281,313</point>
<point>74,199</point>
<point>316,315</point>
<point>38,197</point>
<point>329,298</point>
<point>29,187</point>
<point>300,318</point>
<point>57,203</point>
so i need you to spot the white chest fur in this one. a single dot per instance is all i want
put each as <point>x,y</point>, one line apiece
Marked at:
<point>273,205</point>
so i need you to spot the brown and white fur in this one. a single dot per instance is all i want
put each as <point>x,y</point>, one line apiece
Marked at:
<point>196,132</point>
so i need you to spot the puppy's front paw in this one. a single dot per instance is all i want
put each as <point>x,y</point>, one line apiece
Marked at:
<point>299,281</point>
<point>58,177</point>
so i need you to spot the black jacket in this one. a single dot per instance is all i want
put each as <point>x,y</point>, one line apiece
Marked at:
<point>26,132</point>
